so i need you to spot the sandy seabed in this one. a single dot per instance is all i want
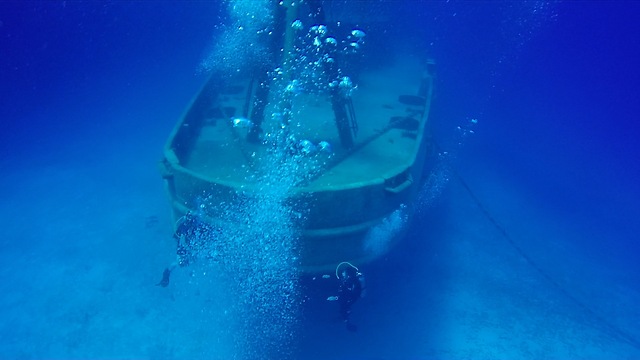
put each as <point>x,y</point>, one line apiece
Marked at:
<point>82,252</point>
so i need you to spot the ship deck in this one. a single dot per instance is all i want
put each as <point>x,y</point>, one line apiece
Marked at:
<point>221,152</point>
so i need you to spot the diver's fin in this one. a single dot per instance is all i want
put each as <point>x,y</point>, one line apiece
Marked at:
<point>165,278</point>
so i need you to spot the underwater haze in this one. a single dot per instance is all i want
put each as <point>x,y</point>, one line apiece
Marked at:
<point>521,241</point>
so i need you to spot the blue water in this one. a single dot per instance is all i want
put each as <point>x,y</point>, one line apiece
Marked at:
<point>524,246</point>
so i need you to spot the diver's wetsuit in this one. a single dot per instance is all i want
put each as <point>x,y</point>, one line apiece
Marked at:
<point>185,235</point>
<point>350,290</point>
<point>189,233</point>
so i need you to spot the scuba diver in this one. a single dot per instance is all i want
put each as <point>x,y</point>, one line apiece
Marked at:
<point>190,234</point>
<point>351,288</point>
